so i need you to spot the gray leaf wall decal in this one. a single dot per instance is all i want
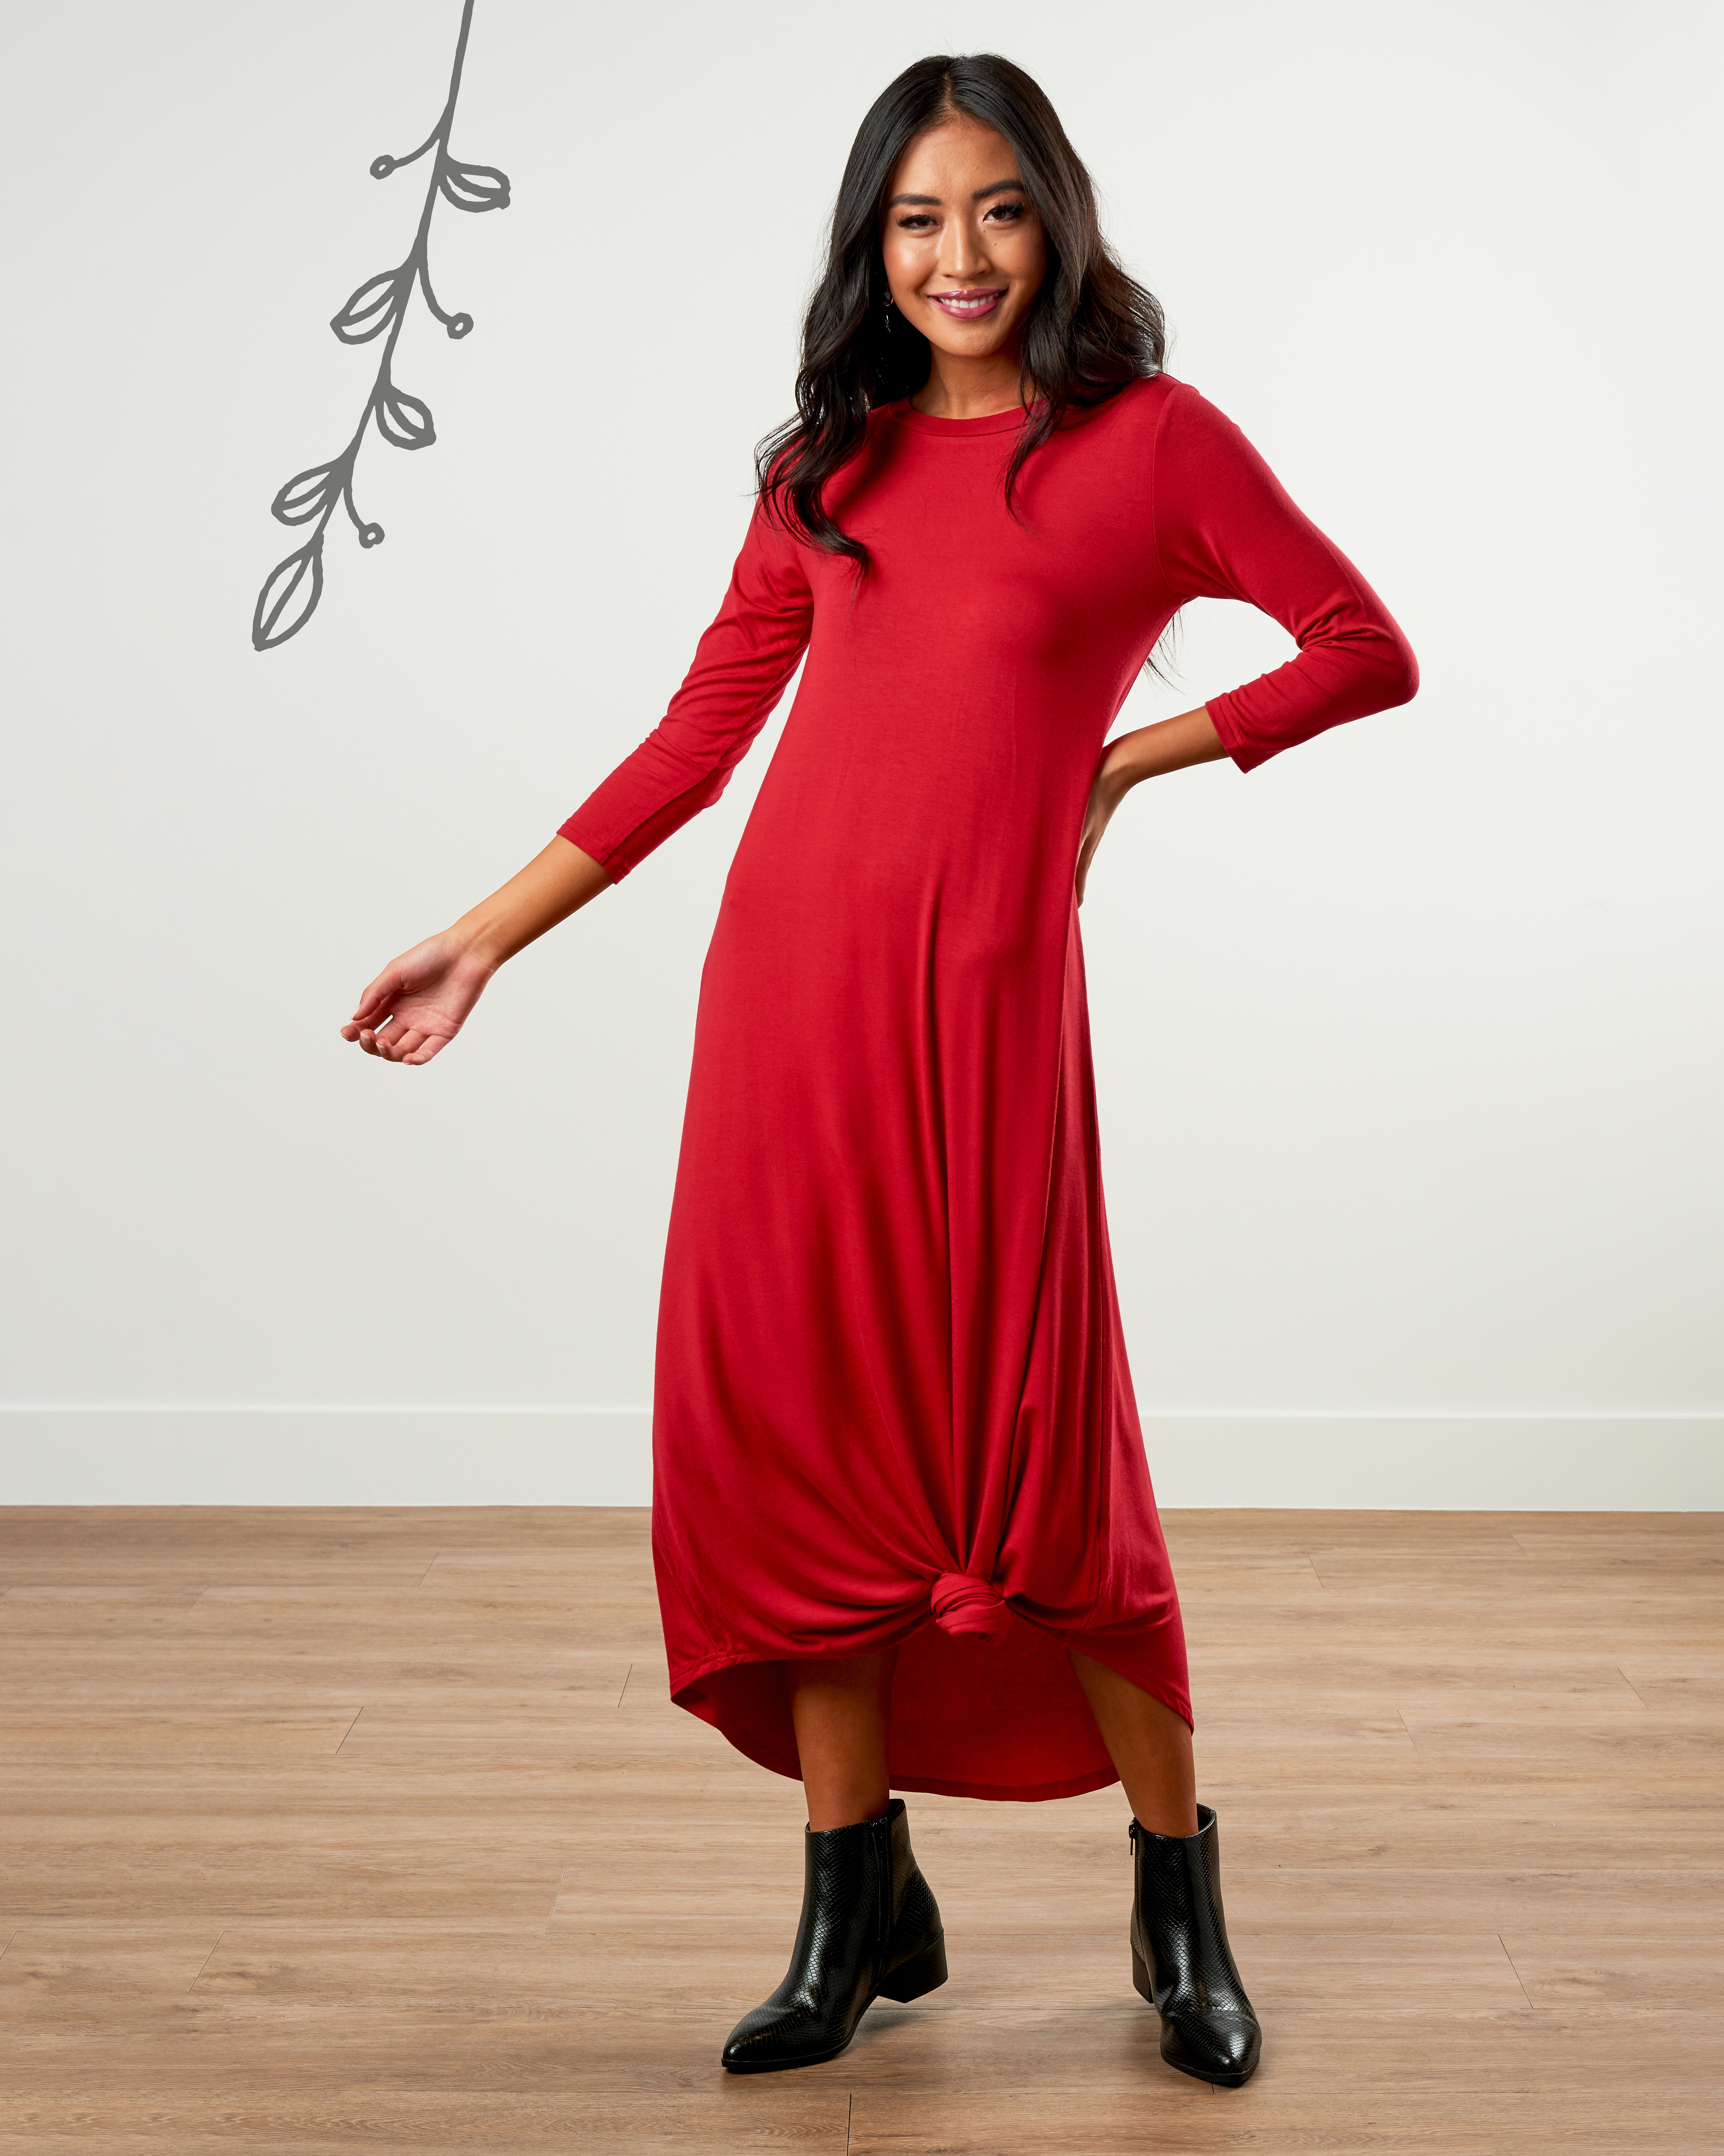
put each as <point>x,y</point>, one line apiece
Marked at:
<point>403,420</point>
<point>377,308</point>
<point>371,310</point>
<point>474,187</point>
<point>289,596</point>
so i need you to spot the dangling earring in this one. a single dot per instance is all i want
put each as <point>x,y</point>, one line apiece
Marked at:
<point>888,304</point>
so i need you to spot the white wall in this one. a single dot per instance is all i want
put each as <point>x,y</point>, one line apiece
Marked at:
<point>1408,1044</point>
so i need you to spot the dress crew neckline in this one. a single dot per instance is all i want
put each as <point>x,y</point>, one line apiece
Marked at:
<point>925,422</point>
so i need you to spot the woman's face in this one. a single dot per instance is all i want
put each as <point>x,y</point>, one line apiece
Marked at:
<point>965,253</point>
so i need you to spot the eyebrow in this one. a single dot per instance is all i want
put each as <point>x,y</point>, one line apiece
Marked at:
<point>993,187</point>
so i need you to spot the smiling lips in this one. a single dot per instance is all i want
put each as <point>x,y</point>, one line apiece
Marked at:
<point>964,307</point>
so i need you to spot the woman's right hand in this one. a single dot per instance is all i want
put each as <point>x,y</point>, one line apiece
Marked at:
<point>420,1001</point>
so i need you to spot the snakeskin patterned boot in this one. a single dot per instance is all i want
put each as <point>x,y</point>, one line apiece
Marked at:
<point>1180,1961</point>
<point>870,1929</point>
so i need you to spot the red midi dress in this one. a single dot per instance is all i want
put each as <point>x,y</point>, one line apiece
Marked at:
<point>891,1402</point>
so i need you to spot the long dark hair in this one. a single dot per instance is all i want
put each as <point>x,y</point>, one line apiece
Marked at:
<point>1091,329</point>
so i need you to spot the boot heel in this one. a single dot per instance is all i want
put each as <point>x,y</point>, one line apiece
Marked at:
<point>911,1979</point>
<point>1140,1977</point>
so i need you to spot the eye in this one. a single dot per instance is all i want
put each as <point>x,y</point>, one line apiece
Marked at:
<point>915,220</point>
<point>1008,212</point>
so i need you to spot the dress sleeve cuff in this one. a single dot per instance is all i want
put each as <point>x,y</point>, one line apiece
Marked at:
<point>583,831</point>
<point>1246,753</point>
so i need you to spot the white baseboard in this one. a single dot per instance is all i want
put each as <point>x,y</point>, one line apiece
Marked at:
<point>1462,1463</point>
<point>337,1455</point>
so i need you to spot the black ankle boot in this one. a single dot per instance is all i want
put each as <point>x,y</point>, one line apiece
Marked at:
<point>870,1929</point>
<point>1180,1961</point>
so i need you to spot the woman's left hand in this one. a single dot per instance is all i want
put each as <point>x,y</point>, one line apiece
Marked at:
<point>1106,795</point>
<point>1169,745</point>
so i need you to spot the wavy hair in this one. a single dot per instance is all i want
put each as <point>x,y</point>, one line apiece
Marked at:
<point>1090,330</point>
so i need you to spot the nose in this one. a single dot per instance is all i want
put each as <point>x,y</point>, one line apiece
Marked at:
<point>963,255</point>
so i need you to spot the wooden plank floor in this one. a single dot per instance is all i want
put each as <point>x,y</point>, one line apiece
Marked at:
<point>326,1830</point>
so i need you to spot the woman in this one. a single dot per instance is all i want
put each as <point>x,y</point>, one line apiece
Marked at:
<point>902,1523</point>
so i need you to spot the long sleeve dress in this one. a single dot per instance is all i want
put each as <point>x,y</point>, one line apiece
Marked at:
<point>891,1402</point>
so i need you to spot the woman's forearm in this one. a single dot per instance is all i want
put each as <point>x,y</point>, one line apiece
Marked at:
<point>552,886</point>
<point>1169,745</point>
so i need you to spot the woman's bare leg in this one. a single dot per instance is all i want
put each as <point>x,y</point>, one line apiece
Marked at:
<point>842,1709</point>
<point>1148,1743</point>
